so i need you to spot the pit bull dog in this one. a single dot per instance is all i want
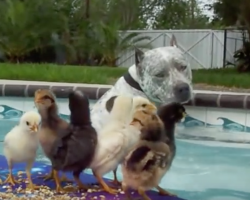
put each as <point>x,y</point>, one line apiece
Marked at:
<point>162,75</point>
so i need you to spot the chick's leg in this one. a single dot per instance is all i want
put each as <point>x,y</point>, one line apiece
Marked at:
<point>164,192</point>
<point>59,188</point>
<point>10,179</point>
<point>115,181</point>
<point>48,176</point>
<point>125,190</point>
<point>104,185</point>
<point>64,178</point>
<point>141,191</point>
<point>30,186</point>
<point>79,182</point>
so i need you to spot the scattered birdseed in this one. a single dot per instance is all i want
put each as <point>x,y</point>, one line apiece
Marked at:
<point>19,173</point>
<point>45,193</point>
<point>89,190</point>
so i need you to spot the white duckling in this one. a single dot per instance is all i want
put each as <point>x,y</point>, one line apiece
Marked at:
<point>118,137</point>
<point>21,144</point>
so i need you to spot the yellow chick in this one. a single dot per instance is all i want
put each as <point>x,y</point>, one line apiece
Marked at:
<point>117,137</point>
<point>139,103</point>
<point>21,144</point>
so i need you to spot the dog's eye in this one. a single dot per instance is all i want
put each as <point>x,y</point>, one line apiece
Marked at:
<point>159,75</point>
<point>182,68</point>
<point>144,105</point>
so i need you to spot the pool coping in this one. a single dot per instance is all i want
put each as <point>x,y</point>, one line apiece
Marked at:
<point>9,88</point>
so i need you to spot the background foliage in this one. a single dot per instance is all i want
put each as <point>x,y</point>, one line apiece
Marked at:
<point>93,32</point>
<point>236,14</point>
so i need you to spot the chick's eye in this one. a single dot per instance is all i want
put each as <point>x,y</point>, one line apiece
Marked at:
<point>144,105</point>
<point>27,123</point>
<point>46,97</point>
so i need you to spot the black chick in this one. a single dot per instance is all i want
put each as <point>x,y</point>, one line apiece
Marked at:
<point>171,114</point>
<point>74,150</point>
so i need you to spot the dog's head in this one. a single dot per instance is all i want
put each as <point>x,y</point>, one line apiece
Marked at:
<point>164,74</point>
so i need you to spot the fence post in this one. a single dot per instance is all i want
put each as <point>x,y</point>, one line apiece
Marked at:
<point>225,48</point>
<point>164,39</point>
<point>212,49</point>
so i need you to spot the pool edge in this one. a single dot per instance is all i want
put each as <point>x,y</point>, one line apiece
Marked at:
<point>94,91</point>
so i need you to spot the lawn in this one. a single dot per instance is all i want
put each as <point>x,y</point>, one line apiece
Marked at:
<point>227,77</point>
<point>60,73</point>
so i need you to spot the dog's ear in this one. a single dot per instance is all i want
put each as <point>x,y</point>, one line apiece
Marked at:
<point>173,41</point>
<point>139,55</point>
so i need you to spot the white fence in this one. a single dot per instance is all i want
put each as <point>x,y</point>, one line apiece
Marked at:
<point>203,48</point>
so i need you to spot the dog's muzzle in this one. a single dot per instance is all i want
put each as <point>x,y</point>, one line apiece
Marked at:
<point>182,92</point>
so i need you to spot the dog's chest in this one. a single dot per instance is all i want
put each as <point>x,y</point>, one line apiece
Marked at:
<point>99,114</point>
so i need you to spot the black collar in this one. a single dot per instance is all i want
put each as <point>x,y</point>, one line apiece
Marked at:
<point>128,78</point>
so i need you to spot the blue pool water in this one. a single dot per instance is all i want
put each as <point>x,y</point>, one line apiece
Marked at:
<point>202,170</point>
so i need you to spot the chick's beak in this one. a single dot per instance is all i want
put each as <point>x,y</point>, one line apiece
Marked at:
<point>34,128</point>
<point>38,101</point>
<point>152,108</point>
<point>184,114</point>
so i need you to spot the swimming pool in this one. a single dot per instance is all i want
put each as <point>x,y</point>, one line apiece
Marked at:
<point>202,170</point>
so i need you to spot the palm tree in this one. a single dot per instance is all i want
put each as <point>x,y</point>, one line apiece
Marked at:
<point>112,42</point>
<point>106,38</point>
<point>27,25</point>
<point>36,25</point>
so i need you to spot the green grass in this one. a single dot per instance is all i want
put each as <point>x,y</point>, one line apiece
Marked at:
<point>227,77</point>
<point>106,75</point>
<point>60,73</point>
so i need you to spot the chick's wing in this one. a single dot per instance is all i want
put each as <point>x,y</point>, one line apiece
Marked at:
<point>139,159</point>
<point>109,147</point>
<point>59,143</point>
<point>80,146</point>
<point>59,148</point>
<point>147,157</point>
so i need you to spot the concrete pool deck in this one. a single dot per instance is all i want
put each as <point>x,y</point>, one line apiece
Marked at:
<point>202,98</point>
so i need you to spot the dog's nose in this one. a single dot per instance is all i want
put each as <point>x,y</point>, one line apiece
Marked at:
<point>182,92</point>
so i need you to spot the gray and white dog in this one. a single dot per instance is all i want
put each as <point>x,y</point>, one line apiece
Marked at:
<point>162,75</point>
